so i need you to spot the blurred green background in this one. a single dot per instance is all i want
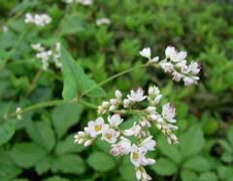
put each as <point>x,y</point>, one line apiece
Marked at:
<point>40,146</point>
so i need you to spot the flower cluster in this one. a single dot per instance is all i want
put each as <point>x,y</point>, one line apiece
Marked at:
<point>103,21</point>
<point>137,140</point>
<point>175,63</point>
<point>46,55</point>
<point>38,19</point>
<point>83,2</point>
<point>4,29</point>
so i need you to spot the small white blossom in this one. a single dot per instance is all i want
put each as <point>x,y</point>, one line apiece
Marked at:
<point>148,143</point>
<point>96,127</point>
<point>110,135</point>
<point>38,19</point>
<point>136,96</point>
<point>103,21</point>
<point>169,112</point>
<point>121,148</point>
<point>115,120</point>
<point>146,52</point>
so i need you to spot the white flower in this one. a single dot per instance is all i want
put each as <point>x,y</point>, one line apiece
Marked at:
<point>103,21</point>
<point>177,76</point>
<point>126,103</point>
<point>167,66</point>
<point>180,56</point>
<point>134,130</point>
<point>96,127</point>
<point>38,47</point>
<point>190,80</point>
<point>141,174</point>
<point>85,2</point>
<point>110,135</point>
<point>5,28</point>
<point>169,112</point>
<point>118,94</point>
<point>170,52</point>
<point>146,52</point>
<point>38,19</point>
<point>137,156</point>
<point>194,68</point>
<point>115,120</point>
<point>136,96</point>
<point>121,148</point>
<point>148,143</point>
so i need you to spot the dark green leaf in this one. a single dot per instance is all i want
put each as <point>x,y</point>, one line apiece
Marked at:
<point>188,176</point>
<point>76,81</point>
<point>41,133</point>
<point>64,116</point>
<point>197,163</point>
<point>164,167</point>
<point>7,130</point>
<point>208,176</point>
<point>27,155</point>
<point>100,161</point>
<point>69,163</point>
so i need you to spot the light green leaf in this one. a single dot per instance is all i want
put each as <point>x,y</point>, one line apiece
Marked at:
<point>188,176</point>
<point>73,24</point>
<point>68,146</point>
<point>225,172</point>
<point>69,163</point>
<point>100,161</point>
<point>208,176</point>
<point>164,167</point>
<point>76,81</point>
<point>8,172</point>
<point>127,171</point>
<point>26,155</point>
<point>7,130</point>
<point>170,151</point>
<point>65,116</point>
<point>41,133</point>
<point>197,163</point>
<point>192,142</point>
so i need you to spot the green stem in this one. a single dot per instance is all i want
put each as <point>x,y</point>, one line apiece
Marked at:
<point>113,77</point>
<point>11,52</point>
<point>81,101</point>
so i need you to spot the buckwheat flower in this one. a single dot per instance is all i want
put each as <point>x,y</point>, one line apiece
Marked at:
<point>194,68</point>
<point>121,148</point>
<point>148,143</point>
<point>96,127</point>
<point>169,113</point>
<point>115,120</point>
<point>28,18</point>
<point>168,67</point>
<point>85,2</point>
<point>103,21</point>
<point>134,130</point>
<point>118,94</point>
<point>5,29</point>
<point>137,156</point>
<point>154,95</point>
<point>19,113</point>
<point>170,52</point>
<point>38,19</point>
<point>110,135</point>
<point>136,96</point>
<point>146,52</point>
<point>141,174</point>
<point>38,47</point>
<point>190,80</point>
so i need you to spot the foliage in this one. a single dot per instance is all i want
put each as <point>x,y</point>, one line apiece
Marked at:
<point>40,145</point>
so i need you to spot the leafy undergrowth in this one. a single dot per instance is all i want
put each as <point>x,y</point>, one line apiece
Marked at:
<point>41,146</point>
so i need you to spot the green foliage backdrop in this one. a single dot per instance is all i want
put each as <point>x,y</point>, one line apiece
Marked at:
<point>40,145</point>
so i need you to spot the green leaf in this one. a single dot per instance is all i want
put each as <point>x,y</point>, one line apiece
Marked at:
<point>56,178</point>
<point>41,133</point>
<point>192,142</point>
<point>69,163</point>
<point>170,151</point>
<point>76,81</point>
<point>197,163</point>
<point>227,157</point>
<point>188,176</point>
<point>225,145</point>
<point>208,176</point>
<point>73,25</point>
<point>225,172</point>
<point>8,172</point>
<point>7,130</point>
<point>230,135</point>
<point>164,167</point>
<point>68,146</point>
<point>65,116</point>
<point>100,161</point>
<point>127,171</point>
<point>44,165</point>
<point>26,155</point>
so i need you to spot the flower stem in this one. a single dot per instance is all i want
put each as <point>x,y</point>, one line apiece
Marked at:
<point>81,101</point>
